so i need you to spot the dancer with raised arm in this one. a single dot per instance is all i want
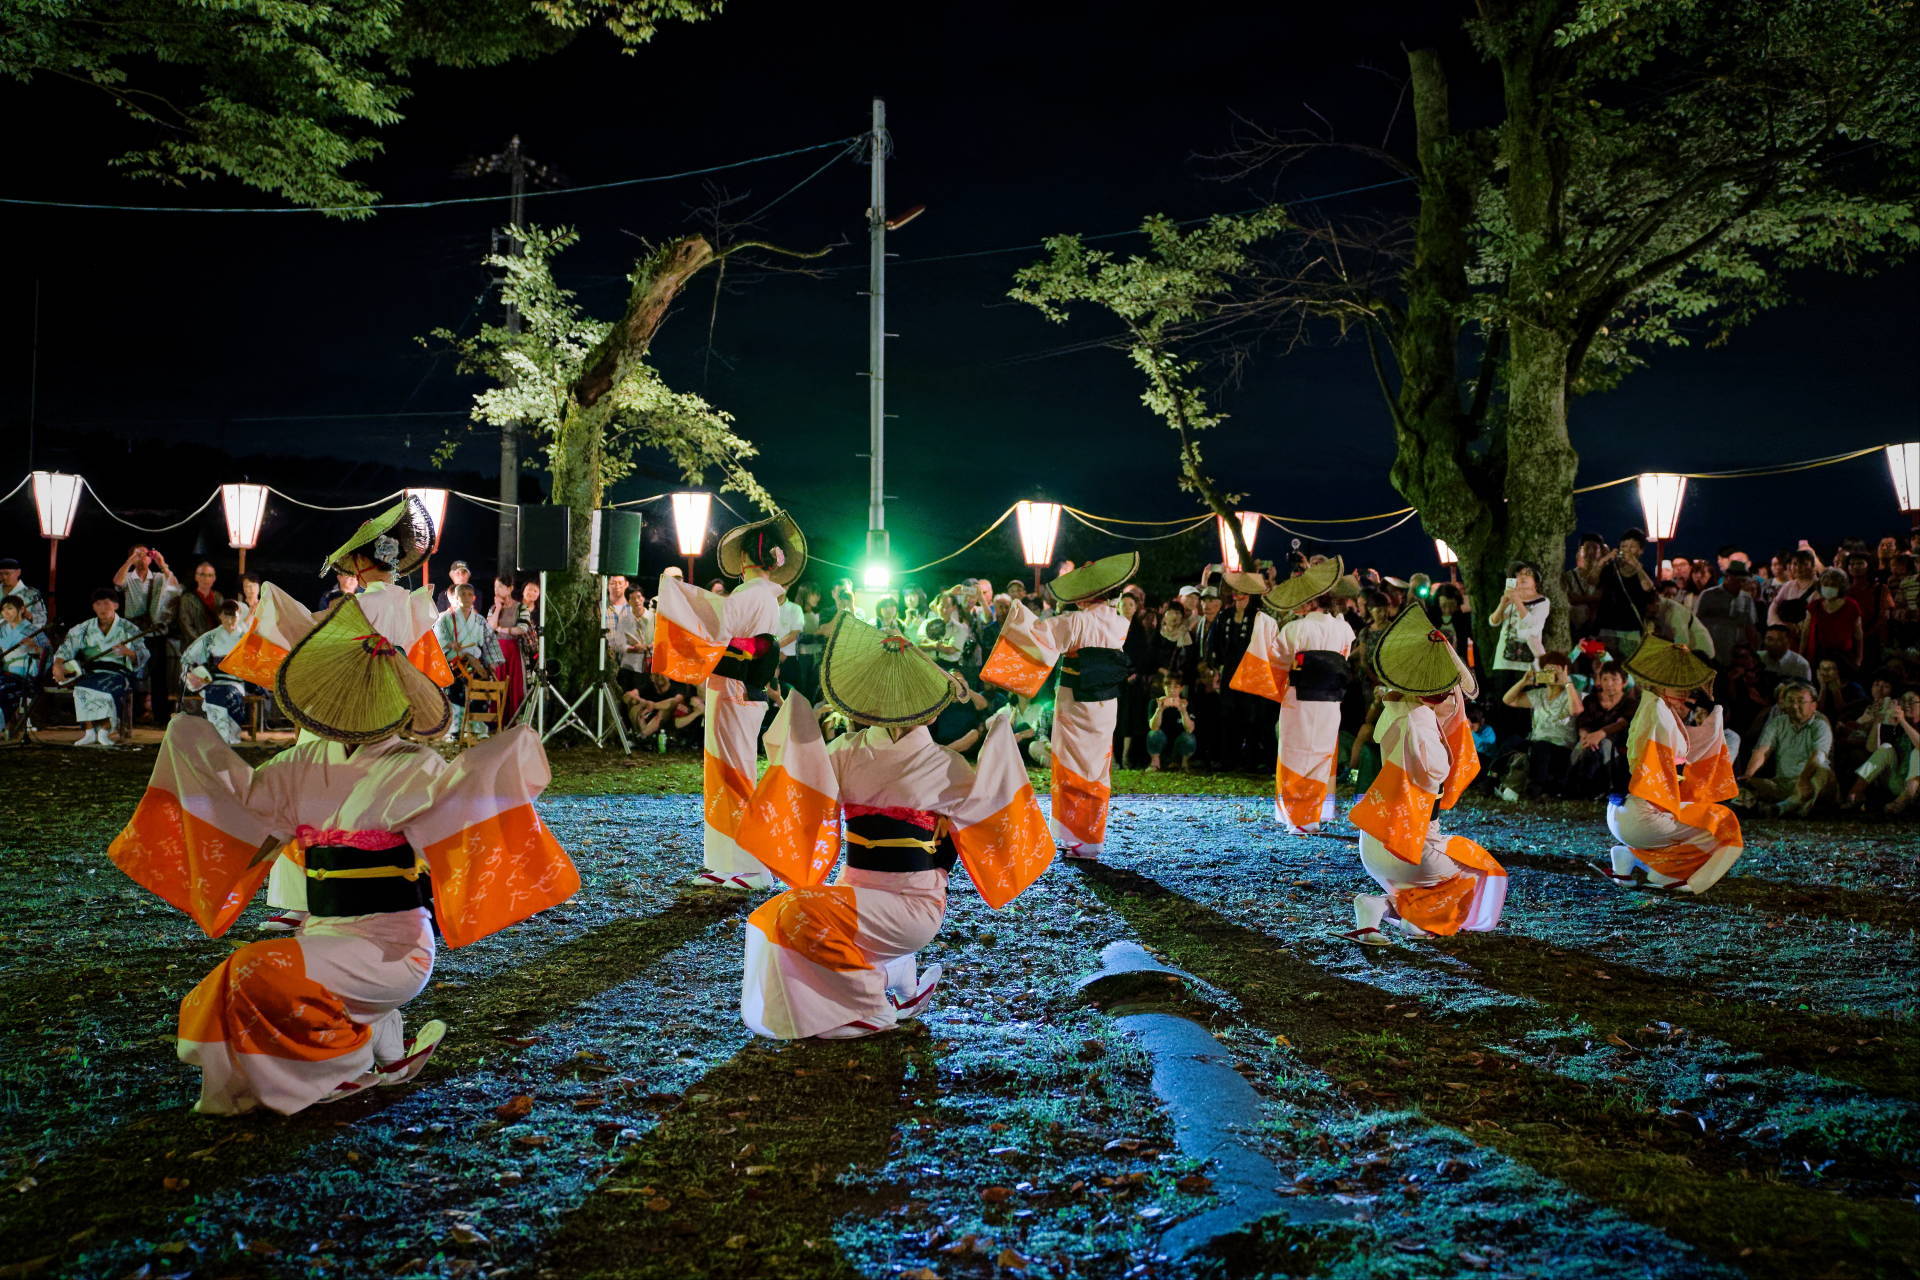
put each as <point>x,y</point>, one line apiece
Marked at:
<point>1085,638</point>
<point>728,644</point>
<point>840,961</point>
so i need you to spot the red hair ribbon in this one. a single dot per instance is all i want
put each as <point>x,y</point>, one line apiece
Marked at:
<point>377,645</point>
<point>898,644</point>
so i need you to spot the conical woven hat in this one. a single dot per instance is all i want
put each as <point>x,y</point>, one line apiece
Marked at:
<point>756,543</point>
<point>1095,578</point>
<point>1247,584</point>
<point>880,679</point>
<point>401,536</point>
<point>1309,584</point>
<point>348,682</point>
<point>1413,657</point>
<point>1668,665</point>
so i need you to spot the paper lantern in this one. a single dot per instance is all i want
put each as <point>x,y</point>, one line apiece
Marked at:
<point>1445,552</point>
<point>690,511</point>
<point>435,501</point>
<point>1661,494</point>
<point>1039,528</point>
<point>56,498</point>
<point>245,506</point>
<point>1903,460</point>
<point>1249,528</point>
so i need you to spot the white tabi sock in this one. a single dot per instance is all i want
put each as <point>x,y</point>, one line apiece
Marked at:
<point>1369,909</point>
<point>1623,861</point>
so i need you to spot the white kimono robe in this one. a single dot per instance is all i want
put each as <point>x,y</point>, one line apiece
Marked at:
<point>1082,731</point>
<point>693,631</point>
<point>223,698</point>
<point>96,695</point>
<point>282,1023</point>
<point>823,956</point>
<point>1309,732</point>
<point>1437,882</point>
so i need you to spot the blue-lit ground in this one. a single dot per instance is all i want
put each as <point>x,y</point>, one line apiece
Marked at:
<point>1612,1085</point>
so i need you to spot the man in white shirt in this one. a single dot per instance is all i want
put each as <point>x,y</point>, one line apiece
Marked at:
<point>147,597</point>
<point>1778,659</point>
<point>787,630</point>
<point>630,640</point>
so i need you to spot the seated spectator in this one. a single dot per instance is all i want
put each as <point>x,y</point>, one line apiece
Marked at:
<point>249,597</point>
<point>1555,705</point>
<point>1792,594</point>
<point>939,645</point>
<point>1834,625</point>
<point>1837,698</point>
<point>1777,658</point>
<point>100,657</point>
<point>1744,691</point>
<point>1452,621</point>
<point>1730,611</point>
<point>1173,723</point>
<point>1903,612</point>
<point>1894,762</point>
<point>1798,744</point>
<point>1597,765</point>
<point>665,711</point>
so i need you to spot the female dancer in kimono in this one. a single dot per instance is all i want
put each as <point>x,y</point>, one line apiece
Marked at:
<point>1302,665</point>
<point>1086,641</point>
<point>727,644</point>
<point>391,543</point>
<point>377,825</point>
<point>839,961</point>
<point>1434,883</point>
<point>1670,821</point>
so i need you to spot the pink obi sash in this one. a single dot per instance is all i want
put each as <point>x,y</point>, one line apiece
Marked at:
<point>340,838</point>
<point>917,817</point>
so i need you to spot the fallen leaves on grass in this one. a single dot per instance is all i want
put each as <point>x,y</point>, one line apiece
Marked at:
<point>518,1109</point>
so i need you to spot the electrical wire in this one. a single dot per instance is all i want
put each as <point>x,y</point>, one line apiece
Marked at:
<point>431,204</point>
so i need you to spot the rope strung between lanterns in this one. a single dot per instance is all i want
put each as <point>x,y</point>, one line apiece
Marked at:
<point>970,546</point>
<point>25,480</point>
<point>165,528</point>
<point>1275,522</point>
<point>1188,527</point>
<point>358,506</point>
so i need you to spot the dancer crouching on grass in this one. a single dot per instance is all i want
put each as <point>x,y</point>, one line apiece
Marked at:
<point>839,961</point>
<point>1435,883</point>
<point>378,826</point>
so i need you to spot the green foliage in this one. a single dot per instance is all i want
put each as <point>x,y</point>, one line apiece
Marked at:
<point>1184,281</point>
<point>281,94</point>
<point>535,370</point>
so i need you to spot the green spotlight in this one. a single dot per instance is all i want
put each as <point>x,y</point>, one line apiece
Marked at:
<point>876,574</point>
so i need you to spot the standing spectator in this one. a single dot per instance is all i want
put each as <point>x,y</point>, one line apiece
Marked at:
<point>31,600</point>
<point>1833,626</point>
<point>1730,611</point>
<point>1130,727</point>
<point>1449,603</point>
<point>1674,622</point>
<point>806,649</point>
<point>457,575</point>
<point>147,599</point>
<point>1555,705</point>
<point>1598,763</point>
<point>503,617</point>
<point>616,598</point>
<point>789,626</point>
<point>1521,616</point>
<point>1792,596</point>
<point>1582,585</point>
<point>1626,595</point>
<point>1203,708</point>
<point>1232,633</point>
<point>1799,744</point>
<point>344,584</point>
<point>1174,649</point>
<point>1870,592</point>
<point>249,597</point>
<point>1746,692</point>
<point>1903,612</point>
<point>632,642</point>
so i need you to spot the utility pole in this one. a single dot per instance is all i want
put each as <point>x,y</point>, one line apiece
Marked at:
<point>877,559</point>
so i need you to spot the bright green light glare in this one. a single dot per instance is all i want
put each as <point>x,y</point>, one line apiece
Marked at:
<point>875,574</point>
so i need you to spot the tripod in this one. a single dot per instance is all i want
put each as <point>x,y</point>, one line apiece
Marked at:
<point>534,710</point>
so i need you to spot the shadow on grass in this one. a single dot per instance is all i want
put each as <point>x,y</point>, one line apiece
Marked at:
<point>111,1187</point>
<point>1695,1188</point>
<point>745,1178</point>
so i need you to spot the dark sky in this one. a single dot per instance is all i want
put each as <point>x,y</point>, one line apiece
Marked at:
<point>203,333</point>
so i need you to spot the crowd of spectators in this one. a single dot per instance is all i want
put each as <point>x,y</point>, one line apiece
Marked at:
<point>1818,661</point>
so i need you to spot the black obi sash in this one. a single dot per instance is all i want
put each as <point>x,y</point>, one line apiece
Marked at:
<point>330,894</point>
<point>1318,675</point>
<point>1095,675</point>
<point>752,660</point>
<point>923,854</point>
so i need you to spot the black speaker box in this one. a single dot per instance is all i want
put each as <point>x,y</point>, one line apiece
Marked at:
<point>619,542</point>
<point>542,544</point>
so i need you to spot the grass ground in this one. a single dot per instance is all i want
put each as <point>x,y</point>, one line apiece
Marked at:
<point>1611,1085</point>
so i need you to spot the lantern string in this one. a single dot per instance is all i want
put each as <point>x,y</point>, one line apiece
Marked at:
<point>358,506</point>
<point>983,533</point>
<point>24,481</point>
<point>1275,522</point>
<point>165,528</point>
<point>1188,527</point>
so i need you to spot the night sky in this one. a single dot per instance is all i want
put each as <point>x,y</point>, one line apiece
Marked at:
<point>180,350</point>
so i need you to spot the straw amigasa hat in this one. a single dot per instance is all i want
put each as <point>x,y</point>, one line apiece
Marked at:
<point>1095,578</point>
<point>1667,665</point>
<point>1246,584</point>
<point>873,678</point>
<point>347,682</point>
<point>775,544</point>
<point>398,539</point>
<point>1414,657</point>
<point>1309,584</point>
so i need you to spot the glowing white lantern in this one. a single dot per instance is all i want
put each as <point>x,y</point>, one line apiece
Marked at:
<point>1445,552</point>
<point>1903,460</point>
<point>690,511</point>
<point>435,501</point>
<point>1660,496</point>
<point>1039,528</point>
<point>56,498</point>
<point>1249,528</point>
<point>245,506</point>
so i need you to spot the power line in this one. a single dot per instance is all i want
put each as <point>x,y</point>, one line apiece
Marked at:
<point>427,204</point>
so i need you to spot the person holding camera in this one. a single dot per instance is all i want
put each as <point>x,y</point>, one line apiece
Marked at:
<point>1549,695</point>
<point>1172,723</point>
